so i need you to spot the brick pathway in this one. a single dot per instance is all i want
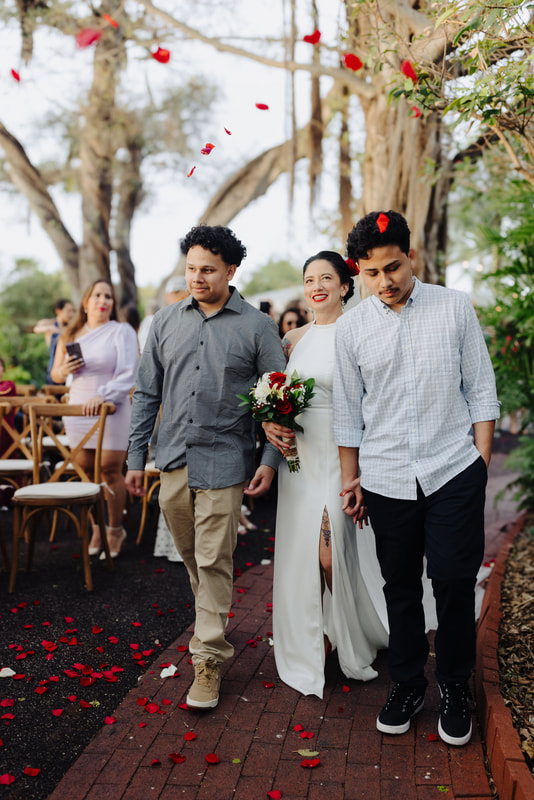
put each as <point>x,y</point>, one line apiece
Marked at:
<point>252,729</point>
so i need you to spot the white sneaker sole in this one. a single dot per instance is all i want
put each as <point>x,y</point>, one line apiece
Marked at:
<point>458,741</point>
<point>397,729</point>
<point>199,704</point>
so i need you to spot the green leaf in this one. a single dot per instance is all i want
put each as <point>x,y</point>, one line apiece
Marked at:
<point>308,753</point>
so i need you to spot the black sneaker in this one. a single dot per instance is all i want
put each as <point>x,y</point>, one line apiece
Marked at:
<point>454,725</point>
<point>403,702</point>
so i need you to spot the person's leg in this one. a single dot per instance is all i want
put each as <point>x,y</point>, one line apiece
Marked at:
<point>176,502</point>
<point>112,464</point>
<point>455,548</point>
<point>399,531</point>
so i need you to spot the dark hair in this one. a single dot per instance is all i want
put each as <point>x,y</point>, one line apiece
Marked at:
<point>219,240</point>
<point>340,266</point>
<point>130,314</point>
<point>60,304</point>
<point>81,316</point>
<point>366,234</point>
<point>300,320</point>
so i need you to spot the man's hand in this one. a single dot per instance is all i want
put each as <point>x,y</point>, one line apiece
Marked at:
<point>261,481</point>
<point>353,502</point>
<point>134,482</point>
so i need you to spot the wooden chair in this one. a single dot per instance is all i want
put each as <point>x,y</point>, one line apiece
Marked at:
<point>56,390</point>
<point>18,470</point>
<point>87,494</point>
<point>25,389</point>
<point>151,481</point>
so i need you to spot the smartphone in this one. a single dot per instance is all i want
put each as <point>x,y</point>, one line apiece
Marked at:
<point>74,349</point>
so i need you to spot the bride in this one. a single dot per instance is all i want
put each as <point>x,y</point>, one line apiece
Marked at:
<point>327,591</point>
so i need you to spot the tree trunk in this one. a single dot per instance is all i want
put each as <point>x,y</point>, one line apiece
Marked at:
<point>130,192</point>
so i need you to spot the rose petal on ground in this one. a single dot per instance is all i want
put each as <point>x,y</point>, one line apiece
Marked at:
<point>136,624</point>
<point>182,648</point>
<point>310,762</point>
<point>143,724</point>
<point>298,728</point>
<point>97,629</point>
<point>155,762</point>
<point>72,698</point>
<point>274,794</point>
<point>212,758</point>
<point>57,712</point>
<point>178,758</point>
<point>6,779</point>
<point>189,736</point>
<point>8,716</point>
<point>7,703</point>
<point>306,735</point>
<point>85,704</point>
<point>268,685</point>
<point>151,708</point>
<point>142,701</point>
<point>113,639</point>
<point>110,720</point>
<point>166,702</point>
<point>40,689</point>
<point>346,689</point>
<point>432,737</point>
<point>262,106</point>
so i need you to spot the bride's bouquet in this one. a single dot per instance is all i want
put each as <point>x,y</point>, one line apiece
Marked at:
<point>278,397</point>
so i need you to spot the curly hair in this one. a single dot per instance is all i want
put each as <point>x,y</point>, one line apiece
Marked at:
<point>219,240</point>
<point>340,266</point>
<point>366,234</point>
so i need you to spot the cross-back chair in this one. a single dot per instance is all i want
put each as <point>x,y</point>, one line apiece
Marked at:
<point>5,408</point>
<point>57,494</point>
<point>16,463</point>
<point>24,389</point>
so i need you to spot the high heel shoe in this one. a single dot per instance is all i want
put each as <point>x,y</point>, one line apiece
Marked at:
<point>95,545</point>
<point>116,538</point>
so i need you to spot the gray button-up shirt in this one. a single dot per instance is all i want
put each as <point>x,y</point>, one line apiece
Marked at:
<point>194,366</point>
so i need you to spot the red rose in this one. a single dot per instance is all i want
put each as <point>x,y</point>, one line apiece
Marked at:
<point>284,407</point>
<point>277,379</point>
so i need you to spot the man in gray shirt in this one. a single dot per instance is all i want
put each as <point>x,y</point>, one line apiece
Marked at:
<point>200,354</point>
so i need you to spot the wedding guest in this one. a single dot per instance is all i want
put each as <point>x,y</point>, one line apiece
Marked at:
<point>200,353</point>
<point>64,311</point>
<point>412,379</point>
<point>289,320</point>
<point>106,372</point>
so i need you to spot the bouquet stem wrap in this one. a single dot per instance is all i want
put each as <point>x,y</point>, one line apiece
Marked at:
<point>291,455</point>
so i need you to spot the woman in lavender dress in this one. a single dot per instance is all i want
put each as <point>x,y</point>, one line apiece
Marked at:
<point>107,373</point>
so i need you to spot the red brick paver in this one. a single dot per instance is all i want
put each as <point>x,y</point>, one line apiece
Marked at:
<point>252,731</point>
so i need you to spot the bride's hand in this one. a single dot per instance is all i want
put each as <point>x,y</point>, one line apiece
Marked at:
<point>275,433</point>
<point>354,503</point>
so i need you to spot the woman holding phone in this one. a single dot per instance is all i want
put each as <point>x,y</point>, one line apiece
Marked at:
<point>103,361</point>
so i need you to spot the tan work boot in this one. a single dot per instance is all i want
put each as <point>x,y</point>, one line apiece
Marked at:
<point>204,691</point>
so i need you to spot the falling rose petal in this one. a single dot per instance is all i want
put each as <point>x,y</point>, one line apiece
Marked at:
<point>97,629</point>
<point>268,685</point>
<point>228,132</point>
<point>6,779</point>
<point>310,762</point>
<point>408,71</point>
<point>177,758</point>
<point>110,20</point>
<point>432,737</point>
<point>15,75</point>
<point>212,758</point>
<point>155,762</point>
<point>312,38</point>
<point>208,147</point>
<point>298,728</point>
<point>416,112</point>
<point>306,735</point>
<point>352,62</point>
<point>346,689</point>
<point>161,55</point>
<point>57,712</point>
<point>262,106</point>
<point>274,794</point>
<point>189,736</point>
<point>87,37</point>
<point>110,720</point>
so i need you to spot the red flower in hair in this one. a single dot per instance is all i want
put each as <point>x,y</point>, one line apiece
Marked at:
<point>382,222</point>
<point>353,266</point>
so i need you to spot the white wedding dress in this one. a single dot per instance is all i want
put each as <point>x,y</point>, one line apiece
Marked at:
<point>354,616</point>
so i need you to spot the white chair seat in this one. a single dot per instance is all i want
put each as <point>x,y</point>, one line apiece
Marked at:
<point>151,466</point>
<point>59,465</point>
<point>50,443</point>
<point>9,465</point>
<point>57,491</point>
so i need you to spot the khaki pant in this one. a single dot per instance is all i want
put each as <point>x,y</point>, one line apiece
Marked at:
<point>203,524</point>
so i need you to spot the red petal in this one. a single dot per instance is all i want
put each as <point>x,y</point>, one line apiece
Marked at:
<point>87,680</point>
<point>432,737</point>
<point>7,703</point>
<point>111,21</point>
<point>166,702</point>
<point>382,222</point>
<point>72,698</point>
<point>231,614</point>
<point>312,38</point>
<point>113,639</point>
<point>85,38</point>
<point>310,762</point>
<point>155,762</point>
<point>7,716</point>
<point>97,629</point>
<point>340,710</point>
<point>57,712</point>
<point>6,779</point>
<point>274,794</point>
<point>228,132</point>
<point>298,728</point>
<point>306,735</point>
<point>408,71</point>
<point>134,646</point>
<point>182,648</point>
<point>33,771</point>
<point>136,624</point>
<point>212,758</point>
<point>178,758</point>
<point>346,689</point>
<point>85,704</point>
<point>262,106</point>
<point>15,75</point>
<point>416,111</point>
<point>40,690</point>
<point>110,720</point>
<point>152,708</point>
<point>143,724</point>
<point>183,705</point>
<point>352,62</point>
<point>189,736</point>
<point>142,701</point>
<point>162,55</point>
<point>268,685</point>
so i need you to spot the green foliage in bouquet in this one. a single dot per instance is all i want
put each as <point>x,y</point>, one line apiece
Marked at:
<point>278,397</point>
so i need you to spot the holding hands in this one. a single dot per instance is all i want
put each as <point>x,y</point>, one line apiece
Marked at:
<point>353,502</point>
<point>276,433</point>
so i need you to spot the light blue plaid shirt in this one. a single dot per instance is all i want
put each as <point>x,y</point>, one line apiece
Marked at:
<point>409,386</point>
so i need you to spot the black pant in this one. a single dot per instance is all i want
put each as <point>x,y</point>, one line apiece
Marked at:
<point>447,527</point>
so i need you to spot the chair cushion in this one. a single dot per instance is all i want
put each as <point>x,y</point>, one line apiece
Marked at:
<point>49,442</point>
<point>150,466</point>
<point>8,465</point>
<point>57,491</point>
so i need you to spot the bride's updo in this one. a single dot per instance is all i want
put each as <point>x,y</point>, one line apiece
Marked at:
<point>340,266</point>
